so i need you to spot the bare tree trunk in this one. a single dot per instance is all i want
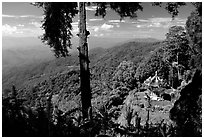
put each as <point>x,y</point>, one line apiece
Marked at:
<point>84,63</point>
<point>49,103</point>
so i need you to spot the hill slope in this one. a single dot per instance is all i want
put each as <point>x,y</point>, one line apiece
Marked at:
<point>101,61</point>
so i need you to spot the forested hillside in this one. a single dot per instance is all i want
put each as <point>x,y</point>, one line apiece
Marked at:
<point>115,73</point>
<point>101,61</point>
<point>139,88</point>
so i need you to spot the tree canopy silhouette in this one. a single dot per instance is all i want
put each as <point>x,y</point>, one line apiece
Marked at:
<point>57,25</point>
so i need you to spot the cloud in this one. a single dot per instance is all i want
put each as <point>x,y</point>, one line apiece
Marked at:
<point>93,28</point>
<point>101,35</point>
<point>30,32</point>
<point>8,30</point>
<point>22,16</point>
<point>139,26</point>
<point>160,19</point>
<point>116,21</point>
<point>143,20</point>
<point>20,25</point>
<point>97,19</point>
<point>8,16</point>
<point>96,29</point>
<point>36,24</point>
<point>103,27</point>
<point>101,30</point>
<point>159,22</point>
<point>117,25</point>
<point>134,22</point>
<point>91,8</point>
<point>20,31</point>
<point>95,35</point>
<point>106,26</point>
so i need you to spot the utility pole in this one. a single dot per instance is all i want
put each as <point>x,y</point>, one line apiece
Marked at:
<point>84,64</point>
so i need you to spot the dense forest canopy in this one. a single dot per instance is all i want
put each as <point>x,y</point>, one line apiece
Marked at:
<point>48,101</point>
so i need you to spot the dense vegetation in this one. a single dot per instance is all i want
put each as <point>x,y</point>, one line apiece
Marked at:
<point>101,60</point>
<point>46,99</point>
<point>112,93</point>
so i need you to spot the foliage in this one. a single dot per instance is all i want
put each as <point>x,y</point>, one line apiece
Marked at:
<point>187,110</point>
<point>141,118</point>
<point>131,51</point>
<point>176,46</point>
<point>103,64</point>
<point>130,9</point>
<point>175,49</point>
<point>22,120</point>
<point>198,6</point>
<point>36,121</point>
<point>52,107</point>
<point>124,75</point>
<point>101,9</point>
<point>123,81</point>
<point>57,25</point>
<point>19,120</point>
<point>126,9</point>
<point>151,64</point>
<point>194,31</point>
<point>171,7</point>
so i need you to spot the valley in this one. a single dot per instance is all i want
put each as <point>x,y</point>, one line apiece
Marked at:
<point>60,77</point>
<point>102,69</point>
<point>101,60</point>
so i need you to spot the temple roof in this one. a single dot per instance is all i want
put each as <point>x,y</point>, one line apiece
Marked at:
<point>154,81</point>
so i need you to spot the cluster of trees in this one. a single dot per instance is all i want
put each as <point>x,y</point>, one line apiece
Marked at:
<point>42,116</point>
<point>181,46</point>
<point>181,51</point>
<point>179,59</point>
<point>43,120</point>
<point>58,18</point>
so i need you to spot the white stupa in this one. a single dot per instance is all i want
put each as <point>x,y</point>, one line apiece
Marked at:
<point>154,81</point>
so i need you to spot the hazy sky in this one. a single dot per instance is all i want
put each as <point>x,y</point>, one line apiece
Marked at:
<point>24,20</point>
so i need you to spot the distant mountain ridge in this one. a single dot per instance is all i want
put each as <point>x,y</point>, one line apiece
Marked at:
<point>17,58</point>
<point>22,51</point>
<point>144,40</point>
<point>101,61</point>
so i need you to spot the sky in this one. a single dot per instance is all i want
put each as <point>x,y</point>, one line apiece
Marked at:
<point>20,19</point>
